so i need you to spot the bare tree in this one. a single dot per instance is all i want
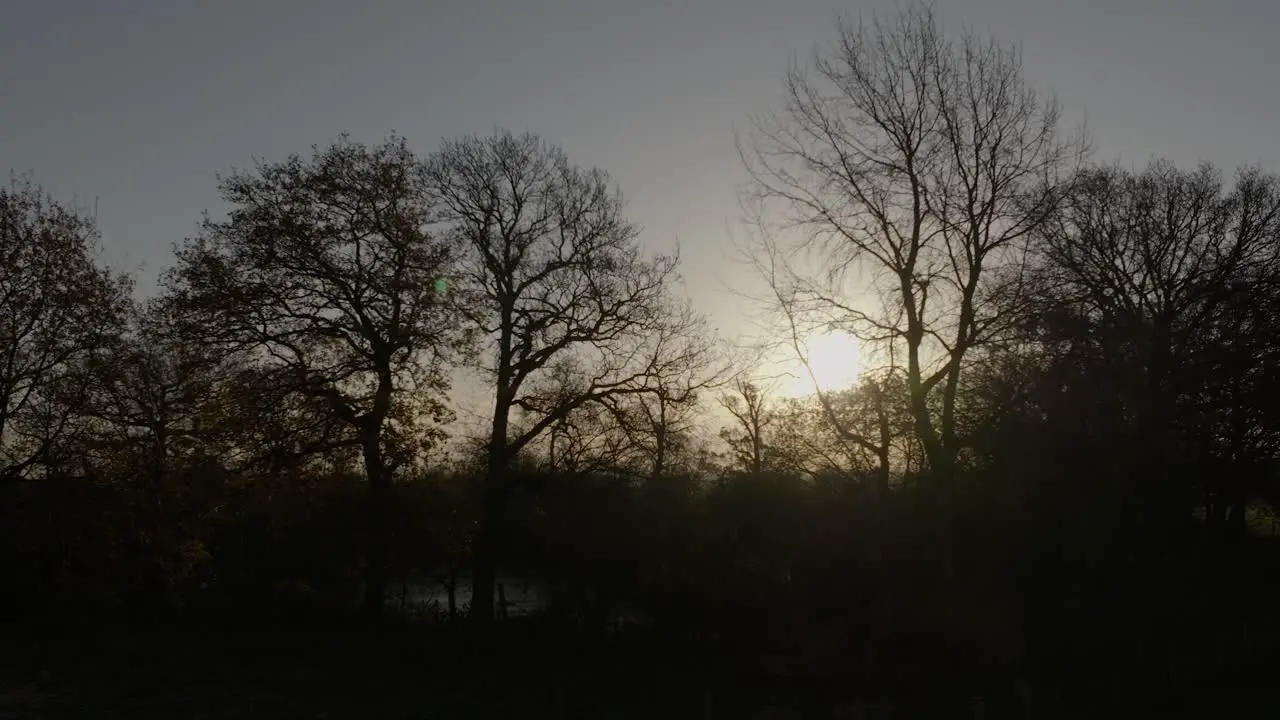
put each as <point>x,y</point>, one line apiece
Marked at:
<point>876,423</point>
<point>586,441</point>
<point>806,444</point>
<point>575,312</point>
<point>644,435</point>
<point>752,413</point>
<point>659,427</point>
<point>862,431</point>
<point>147,391</point>
<point>1164,251</point>
<point>1173,279</point>
<point>58,309</point>
<point>917,166</point>
<point>325,276</point>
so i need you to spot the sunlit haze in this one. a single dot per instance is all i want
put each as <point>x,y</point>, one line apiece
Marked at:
<point>834,361</point>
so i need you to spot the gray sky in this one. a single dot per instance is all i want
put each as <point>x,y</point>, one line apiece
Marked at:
<point>140,102</point>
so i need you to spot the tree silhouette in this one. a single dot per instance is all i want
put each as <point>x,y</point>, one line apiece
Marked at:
<point>58,309</point>
<point>1172,279</point>
<point>324,276</point>
<point>575,313</point>
<point>862,431</point>
<point>747,437</point>
<point>921,166</point>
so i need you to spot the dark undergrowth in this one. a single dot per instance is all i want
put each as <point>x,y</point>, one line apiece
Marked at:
<point>528,668</point>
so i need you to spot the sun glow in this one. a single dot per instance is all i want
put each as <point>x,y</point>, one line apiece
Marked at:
<point>834,362</point>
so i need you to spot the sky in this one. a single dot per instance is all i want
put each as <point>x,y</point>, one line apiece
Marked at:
<point>137,105</point>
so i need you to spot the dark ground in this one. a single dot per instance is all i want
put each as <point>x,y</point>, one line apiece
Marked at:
<point>520,670</point>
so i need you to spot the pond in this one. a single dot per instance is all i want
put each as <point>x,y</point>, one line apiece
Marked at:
<point>523,596</point>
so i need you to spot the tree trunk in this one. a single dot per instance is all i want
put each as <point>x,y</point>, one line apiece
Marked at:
<point>660,440</point>
<point>1234,527</point>
<point>941,476</point>
<point>882,472</point>
<point>659,454</point>
<point>452,590</point>
<point>1215,516</point>
<point>485,555</point>
<point>934,452</point>
<point>375,587</point>
<point>886,440</point>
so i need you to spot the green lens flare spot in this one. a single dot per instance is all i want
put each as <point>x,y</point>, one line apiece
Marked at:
<point>441,286</point>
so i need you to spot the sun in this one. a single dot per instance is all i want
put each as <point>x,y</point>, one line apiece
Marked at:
<point>835,361</point>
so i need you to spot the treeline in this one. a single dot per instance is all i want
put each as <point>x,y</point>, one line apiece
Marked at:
<point>1064,466</point>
